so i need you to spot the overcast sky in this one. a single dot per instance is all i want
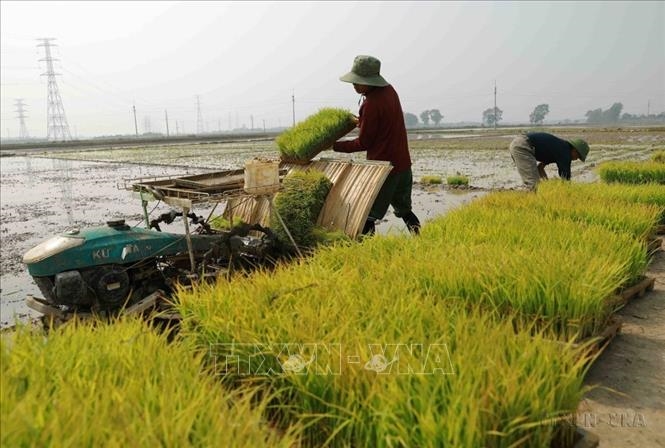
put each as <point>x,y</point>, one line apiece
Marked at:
<point>246,59</point>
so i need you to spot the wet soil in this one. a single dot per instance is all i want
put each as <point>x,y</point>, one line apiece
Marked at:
<point>43,197</point>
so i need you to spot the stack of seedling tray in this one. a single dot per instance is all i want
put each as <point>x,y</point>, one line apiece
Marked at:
<point>301,143</point>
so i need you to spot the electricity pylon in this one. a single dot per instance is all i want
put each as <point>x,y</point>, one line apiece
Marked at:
<point>23,130</point>
<point>56,121</point>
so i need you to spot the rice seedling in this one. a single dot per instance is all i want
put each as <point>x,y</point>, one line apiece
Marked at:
<point>632,172</point>
<point>516,269</point>
<point>562,280</point>
<point>357,387</point>
<point>484,255</point>
<point>316,133</point>
<point>585,204</point>
<point>298,204</point>
<point>651,194</point>
<point>120,384</point>
<point>431,180</point>
<point>457,180</point>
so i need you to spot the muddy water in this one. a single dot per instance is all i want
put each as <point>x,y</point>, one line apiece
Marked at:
<point>41,197</point>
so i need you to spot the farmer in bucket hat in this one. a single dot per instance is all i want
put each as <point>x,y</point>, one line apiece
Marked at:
<point>533,150</point>
<point>382,134</point>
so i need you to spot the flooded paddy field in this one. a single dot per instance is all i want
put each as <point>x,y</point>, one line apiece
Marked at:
<point>44,193</point>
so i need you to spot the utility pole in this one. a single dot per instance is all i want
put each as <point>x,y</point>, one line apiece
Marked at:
<point>56,121</point>
<point>177,132</point>
<point>293,106</point>
<point>495,104</point>
<point>136,126</point>
<point>23,130</point>
<point>199,116</point>
<point>251,119</point>
<point>166,117</point>
<point>264,126</point>
<point>648,108</point>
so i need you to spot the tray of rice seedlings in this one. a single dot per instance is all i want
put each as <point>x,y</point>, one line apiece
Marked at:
<point>485,256</point>
<point>374,360</point>
<point>632,172</point>
<point>297,206</point>
<point>523,275</point>
<point>613,222</point>
<point>319,131</point>
<point>639,193</point>
<point>563,199</point>
<point>120,384</point>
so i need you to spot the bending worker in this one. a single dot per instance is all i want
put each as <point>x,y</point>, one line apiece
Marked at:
<point>382,134</point>
<point>532,151</point>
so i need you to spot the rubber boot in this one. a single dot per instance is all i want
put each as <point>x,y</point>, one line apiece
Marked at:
<point>412,223</point>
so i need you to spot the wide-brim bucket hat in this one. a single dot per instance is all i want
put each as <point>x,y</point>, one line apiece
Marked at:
<point>581,146</point>
<point>365,71</point>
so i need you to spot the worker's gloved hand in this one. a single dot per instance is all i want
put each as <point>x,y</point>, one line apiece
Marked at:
<point>356,120</point>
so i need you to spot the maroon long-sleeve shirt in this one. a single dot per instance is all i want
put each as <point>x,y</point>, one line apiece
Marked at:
<point>382,130</point>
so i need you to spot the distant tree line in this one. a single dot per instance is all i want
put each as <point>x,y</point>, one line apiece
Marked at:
<point>613,115</point>
<point>610,115</point>
<point>537,117</point>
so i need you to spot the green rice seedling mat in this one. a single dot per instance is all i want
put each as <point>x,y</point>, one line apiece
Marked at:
<point>318,132</point>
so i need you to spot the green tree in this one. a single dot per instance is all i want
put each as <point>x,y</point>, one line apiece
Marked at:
<point>435,116</point>
<point>410,120</point>
<point>538,114</point>
<point>490,116</point>
<point>594,116</point>
<point>612,114</point>
<point>424,116</point>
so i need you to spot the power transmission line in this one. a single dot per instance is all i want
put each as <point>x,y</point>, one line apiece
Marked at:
<point>56,120</point>
<point>23,130</point>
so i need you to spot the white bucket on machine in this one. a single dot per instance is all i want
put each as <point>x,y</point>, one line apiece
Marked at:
<point>261,176</point>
